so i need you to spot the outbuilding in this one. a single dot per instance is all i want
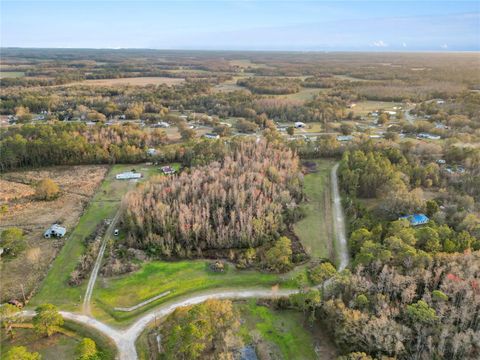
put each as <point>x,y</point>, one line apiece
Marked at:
<point>416,219</point>
<point>299,124</point>
<point>55,231</point>
<point>211,136</point>
<point>128,175</point>
<point>168,170</point>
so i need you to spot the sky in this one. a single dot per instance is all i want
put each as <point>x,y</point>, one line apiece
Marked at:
<point>243,25</point>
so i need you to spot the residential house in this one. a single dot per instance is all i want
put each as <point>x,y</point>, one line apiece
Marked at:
<point>416,219</point>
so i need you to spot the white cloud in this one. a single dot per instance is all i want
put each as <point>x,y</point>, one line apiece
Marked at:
<point>444,46</point>
<point>379,43</point>
<point>404,44</point>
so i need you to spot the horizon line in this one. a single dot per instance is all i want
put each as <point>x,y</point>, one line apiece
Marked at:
<point>382,50</point>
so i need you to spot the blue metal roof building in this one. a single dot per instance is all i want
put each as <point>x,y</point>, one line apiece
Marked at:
<point>416,219</point>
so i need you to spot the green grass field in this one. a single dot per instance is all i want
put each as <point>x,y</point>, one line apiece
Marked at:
<point>55,289</point>
<point>315,229</point>
<point>180,277</point>
<point>366,106</point>
<point>280,331</point>
<point>11,74</point>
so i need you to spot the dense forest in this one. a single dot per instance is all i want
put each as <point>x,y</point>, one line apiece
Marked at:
<point>412,292</point>
<point>241,201</point>
<point>274,86</point>
<point>75,143</point>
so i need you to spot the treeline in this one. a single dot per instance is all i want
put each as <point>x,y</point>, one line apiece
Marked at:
<point>74,143</point>
<point>323,81</point>
<point>271,85</point>
<point>243,200</point>
<point>30,82</point>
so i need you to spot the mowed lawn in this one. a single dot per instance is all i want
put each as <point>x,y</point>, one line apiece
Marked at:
<point>277,332</point>
<point>315,230</point>
<point>104,205</point>
<point>366,106</point>
<point>179,277</point>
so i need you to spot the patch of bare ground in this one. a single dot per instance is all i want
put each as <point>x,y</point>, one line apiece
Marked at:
<point>77,184</point>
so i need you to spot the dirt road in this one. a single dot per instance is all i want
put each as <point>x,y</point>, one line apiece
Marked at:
<point>98,262</point>
<point>339,223</point>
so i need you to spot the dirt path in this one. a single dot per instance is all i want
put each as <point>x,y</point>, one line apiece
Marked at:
<point>98,262</point>
<point>339,223</point>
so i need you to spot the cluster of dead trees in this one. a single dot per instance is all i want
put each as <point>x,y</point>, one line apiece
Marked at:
<point>432,313</point>
<point>243,200</point>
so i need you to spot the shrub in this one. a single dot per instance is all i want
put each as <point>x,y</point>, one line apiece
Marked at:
<point>47,189</point>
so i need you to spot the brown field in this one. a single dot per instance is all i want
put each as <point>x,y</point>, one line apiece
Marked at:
<point>135,81</point>
<point>77,184</point>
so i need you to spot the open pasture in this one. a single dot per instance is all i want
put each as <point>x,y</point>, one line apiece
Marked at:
<point>17,190</point>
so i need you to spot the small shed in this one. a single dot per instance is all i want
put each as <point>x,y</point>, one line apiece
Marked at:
<point>299,124</point>
<point>416,219</point>
<point>168,170</point>
<point>55,231</point>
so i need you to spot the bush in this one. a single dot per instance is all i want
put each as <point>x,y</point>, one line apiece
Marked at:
<point>47,189</point>
<point>87,349</point>
<point>12,241</point>
<point>321,272</point>
<point>279,257</point>
<point>21,353</point>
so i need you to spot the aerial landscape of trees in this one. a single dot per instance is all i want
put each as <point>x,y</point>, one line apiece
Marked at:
<point>243,200</point>
<point>403,128</point>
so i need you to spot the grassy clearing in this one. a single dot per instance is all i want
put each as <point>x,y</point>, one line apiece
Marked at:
<point>78,185</point>
<point>364,107</point>
<point>181,278</point>
<point>315,229</point>
<point>105,204</point>
<point>277,332</point>
<point>305,94</point>
<point>59,346</point>
<point>231,85</point>
<point>11,74</point>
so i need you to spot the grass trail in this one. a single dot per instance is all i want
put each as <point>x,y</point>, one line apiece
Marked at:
<point>315,229</point>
